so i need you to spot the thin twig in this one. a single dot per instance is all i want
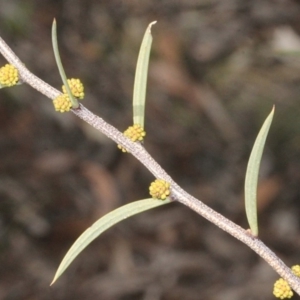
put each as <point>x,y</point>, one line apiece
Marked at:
<point>178,194</point>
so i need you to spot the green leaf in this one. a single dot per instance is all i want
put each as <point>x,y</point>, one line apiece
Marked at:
<point>252,174</point>
<point>62,73</point>
<point>102,225</point>
<point>140,81</point>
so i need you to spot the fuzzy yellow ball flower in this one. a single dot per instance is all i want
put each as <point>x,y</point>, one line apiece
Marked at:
<point>159,189</point>
<point>62,103</point>
<point>282,289</point>
<point>76,88</point>
<point>134,133</point>
<point>9,75</point>
<point>296,270</point>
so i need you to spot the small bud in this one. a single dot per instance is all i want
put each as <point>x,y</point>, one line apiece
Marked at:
<point>134,133</point>
<point>9,75</point>
<point>159,189</point>
<point>282,289</point>
<point>122,148</point>
<point>62,103</point>
<point>76,88</point>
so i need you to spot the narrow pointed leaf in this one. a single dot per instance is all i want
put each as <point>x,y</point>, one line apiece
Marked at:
<point>102,225</point>
<point>61,70</point>
<point>140,81</point>
<point>252,174</point>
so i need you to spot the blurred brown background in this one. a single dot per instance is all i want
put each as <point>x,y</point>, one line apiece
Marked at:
<point>216,69</point>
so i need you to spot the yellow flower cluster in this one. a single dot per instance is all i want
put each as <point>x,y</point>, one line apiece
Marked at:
<point>62,103</point>
<point>134,133</point>
<point>9,75</point>
<point>76,88</point>
<point>159,189</point>
<point>282,290</point>
<point>296,270</point>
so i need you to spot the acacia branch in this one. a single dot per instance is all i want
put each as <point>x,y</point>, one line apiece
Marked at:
<point>177,193</point>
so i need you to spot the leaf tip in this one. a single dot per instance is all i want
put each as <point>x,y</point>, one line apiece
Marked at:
<point>53,281</point>
<point>151,24</point>
<point>56,276</point>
